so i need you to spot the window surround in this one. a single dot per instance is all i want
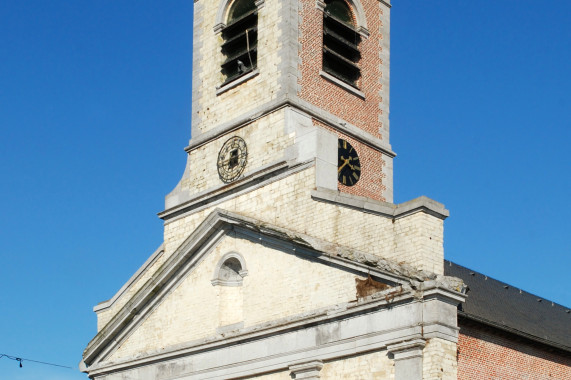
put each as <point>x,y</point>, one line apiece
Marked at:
<point>219,26</point>
<point>222,13</point>
<point>360,20</point>
<point>338,49</point>
<point>234,83</point>
<point>340,83</point>
<point>243,272</point>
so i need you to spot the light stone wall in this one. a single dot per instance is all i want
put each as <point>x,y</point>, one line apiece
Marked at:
<point>266,141</point>
<point>230,305</point>
<point>439,360</point>
<point>415,239</point>
<point>370,366</point>
<point>422,234</point>
<point>278,285</point>
<point>213,110</point>
<point>287,203</point>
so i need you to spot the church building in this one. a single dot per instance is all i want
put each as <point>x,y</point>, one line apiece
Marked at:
<point>284,256</point>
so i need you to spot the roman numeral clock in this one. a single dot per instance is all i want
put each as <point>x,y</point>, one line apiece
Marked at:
<point>348,165</point>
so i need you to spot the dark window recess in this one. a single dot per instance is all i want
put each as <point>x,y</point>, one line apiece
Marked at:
<point>240,43</point>
<point>340,43</point>
<point>233,161</point>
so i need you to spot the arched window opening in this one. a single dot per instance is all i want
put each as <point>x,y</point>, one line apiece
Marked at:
<point>240,35</point>
<point>240,8</point>
<point>340,10</point>
<point>230,271</point>
<point>341,42</point>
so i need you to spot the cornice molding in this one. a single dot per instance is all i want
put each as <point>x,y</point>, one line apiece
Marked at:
<point>331,120</point>
<point>386,209</point>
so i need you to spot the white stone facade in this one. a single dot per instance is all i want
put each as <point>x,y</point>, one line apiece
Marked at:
<point>259,278</point>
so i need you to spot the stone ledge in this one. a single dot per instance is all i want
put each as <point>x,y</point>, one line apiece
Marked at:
<point>295,102</point>
<point>353,90</point>
<point>251,181</point>
<point>309,370</point>
<point>236,82</point>
<point>386,209</point>
<point>407,349</point>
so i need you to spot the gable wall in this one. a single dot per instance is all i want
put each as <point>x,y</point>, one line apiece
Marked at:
<point>278,285</point>
<point>287,203</point>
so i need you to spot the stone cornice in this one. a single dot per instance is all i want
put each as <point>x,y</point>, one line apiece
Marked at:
<point>277,104</point>
<point>389,210</point>
<point>249,182</point>
<point>376,303</point>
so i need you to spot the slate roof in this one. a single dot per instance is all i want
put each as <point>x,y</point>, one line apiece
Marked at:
<point>511,309</point>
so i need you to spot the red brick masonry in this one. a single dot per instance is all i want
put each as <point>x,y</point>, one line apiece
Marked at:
<point>364,113</point>
<point>487,353</point>
<point>371,183</point>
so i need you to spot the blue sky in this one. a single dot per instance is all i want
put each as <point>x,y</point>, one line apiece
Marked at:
<point>95,113</point>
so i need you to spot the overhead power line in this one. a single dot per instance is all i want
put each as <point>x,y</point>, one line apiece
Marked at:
<point>20,360</point>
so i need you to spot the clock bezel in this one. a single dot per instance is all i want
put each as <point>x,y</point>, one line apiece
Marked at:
<point>232,159</point>
<point>345,168</point>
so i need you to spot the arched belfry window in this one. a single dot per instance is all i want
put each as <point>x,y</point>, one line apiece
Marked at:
<point>240,36</point>
<point>230,271</point>
<point>341,40</point>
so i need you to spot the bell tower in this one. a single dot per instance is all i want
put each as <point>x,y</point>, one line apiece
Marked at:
<point>290,113</point>
<point>278,74</point>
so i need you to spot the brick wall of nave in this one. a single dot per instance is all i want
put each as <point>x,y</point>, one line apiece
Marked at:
<point>487,353</point>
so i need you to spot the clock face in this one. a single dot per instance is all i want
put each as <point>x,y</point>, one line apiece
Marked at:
<point>232,159</point>
<point>348,165</point>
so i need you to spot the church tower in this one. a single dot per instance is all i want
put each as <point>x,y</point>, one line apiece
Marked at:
<point>284,254</point>
<point>300,91</point>
<point>291,80</point>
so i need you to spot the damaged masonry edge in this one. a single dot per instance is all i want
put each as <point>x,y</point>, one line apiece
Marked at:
<point>386,209</point>
<point>383,299</point>
<point>404,272</point>
<point>216,225</point>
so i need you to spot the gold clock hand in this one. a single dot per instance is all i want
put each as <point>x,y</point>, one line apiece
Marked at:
<point>345,163</point>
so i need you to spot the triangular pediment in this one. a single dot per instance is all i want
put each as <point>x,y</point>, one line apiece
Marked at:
<point>277,274</point>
